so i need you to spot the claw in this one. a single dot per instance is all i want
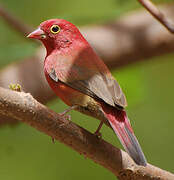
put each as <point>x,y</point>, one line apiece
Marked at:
<point>98,134</point>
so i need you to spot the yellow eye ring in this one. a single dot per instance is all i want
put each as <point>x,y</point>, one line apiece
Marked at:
<point>55,29</point>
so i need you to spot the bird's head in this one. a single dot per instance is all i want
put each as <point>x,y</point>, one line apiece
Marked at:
<point>56,34</point>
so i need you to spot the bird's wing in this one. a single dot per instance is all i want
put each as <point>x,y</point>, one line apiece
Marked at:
<point>89,79</point>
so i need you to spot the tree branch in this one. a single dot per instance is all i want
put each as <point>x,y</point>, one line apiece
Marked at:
<point>158,14</point>
<point>14,22</point>
<point>25,108</point>
<point>119,42</point>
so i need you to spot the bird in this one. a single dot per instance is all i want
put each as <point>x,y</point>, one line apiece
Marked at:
<point>81,80</point>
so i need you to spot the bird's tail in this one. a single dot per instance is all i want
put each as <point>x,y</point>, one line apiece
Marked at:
<point>121,126</point>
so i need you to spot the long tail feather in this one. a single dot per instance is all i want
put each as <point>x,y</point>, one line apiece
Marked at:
<point>121,126</point>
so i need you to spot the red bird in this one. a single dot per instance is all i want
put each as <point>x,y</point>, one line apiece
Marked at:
<point>81,79</point>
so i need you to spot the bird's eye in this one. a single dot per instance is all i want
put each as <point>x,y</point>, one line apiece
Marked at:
<point>55,29</point>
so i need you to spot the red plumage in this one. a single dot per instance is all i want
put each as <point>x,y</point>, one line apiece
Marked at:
<point>122,127</point>
<point>81,79</point>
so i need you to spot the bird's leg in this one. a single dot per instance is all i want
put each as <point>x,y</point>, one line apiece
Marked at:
<point>63,114</point>
<point>97,132</point>
<point>68,110</point>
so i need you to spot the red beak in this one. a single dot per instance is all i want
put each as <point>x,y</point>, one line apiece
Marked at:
<point>37,34</point>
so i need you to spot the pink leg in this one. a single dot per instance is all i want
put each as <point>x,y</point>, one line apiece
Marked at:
<point>68,110</point>
<point>97,132</point>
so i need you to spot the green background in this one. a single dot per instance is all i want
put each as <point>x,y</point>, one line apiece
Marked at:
<point>27,154</point>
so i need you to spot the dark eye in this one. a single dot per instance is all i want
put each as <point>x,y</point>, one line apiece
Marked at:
<point>55,29</point>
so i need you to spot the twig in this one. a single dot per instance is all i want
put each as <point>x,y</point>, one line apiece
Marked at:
<point>158,14</point>
<point>25,108</point>
<point>14,22</point>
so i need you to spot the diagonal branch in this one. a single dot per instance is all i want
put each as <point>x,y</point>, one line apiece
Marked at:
<point>24,107</point>
<point>13,21</point>
<point>158,14</point>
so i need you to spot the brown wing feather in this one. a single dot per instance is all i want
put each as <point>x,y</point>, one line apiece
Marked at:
<point>96,81</point>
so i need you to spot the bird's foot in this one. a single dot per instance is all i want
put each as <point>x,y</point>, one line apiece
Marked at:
<point>98,134</point>
<point>67,117</point>
<point>66,120</point>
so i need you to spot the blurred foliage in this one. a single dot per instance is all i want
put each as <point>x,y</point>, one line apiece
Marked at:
<point>28,154</point>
